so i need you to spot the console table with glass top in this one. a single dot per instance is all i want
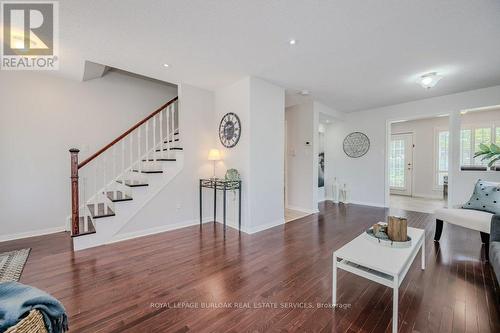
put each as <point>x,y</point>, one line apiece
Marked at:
<point>224,186</point>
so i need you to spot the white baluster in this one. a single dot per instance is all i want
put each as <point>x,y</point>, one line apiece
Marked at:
<point>161,132</point>
<point>84,197</point>
<point>85,214</point>
<point>131,143</point>
<point>168,130</point>
<point>139,148</point>
<point>115,165</point>
<point>96,177</point>
<point>173,119</point>
<point>172,108</point>
<point>104,173</point>
<point>123,155</point>
<point>80,196</point>
<point>154,139</point>
<point>147,138</point>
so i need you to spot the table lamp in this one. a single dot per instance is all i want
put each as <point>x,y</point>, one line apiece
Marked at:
<point>214,156</point>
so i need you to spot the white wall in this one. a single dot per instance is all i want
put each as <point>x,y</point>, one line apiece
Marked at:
<point>301,158</point>
<point>177,204</point>
<point>235,98</point>
<point>41,118</point>
<point>258,156</point>
<point>367,175</point>
<point>321,148</point>
<point>267,133</point>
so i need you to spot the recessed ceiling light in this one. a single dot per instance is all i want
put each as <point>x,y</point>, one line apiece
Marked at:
<point>292,41</point>
<point>429,80</point>
<point>166,65</point>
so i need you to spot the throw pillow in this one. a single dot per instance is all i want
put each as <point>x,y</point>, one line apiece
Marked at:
<point>486,197</point>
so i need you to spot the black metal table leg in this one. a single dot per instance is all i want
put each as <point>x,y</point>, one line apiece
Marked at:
<point>239,207</point>
<point>224,207</point>
<point>215,202</point>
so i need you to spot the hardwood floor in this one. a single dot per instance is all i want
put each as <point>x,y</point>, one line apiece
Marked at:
<point>125,287</point>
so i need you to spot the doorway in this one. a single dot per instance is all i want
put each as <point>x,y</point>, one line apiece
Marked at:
<point>417,163</point>
<point>401,164</point>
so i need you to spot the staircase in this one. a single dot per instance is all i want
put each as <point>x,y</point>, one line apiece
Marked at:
<point>111,186</point>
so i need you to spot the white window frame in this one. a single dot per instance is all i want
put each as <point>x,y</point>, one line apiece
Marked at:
<point>436,170</point>
<point>473,126</point>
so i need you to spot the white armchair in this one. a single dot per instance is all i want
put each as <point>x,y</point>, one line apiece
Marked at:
<point>467,218</point>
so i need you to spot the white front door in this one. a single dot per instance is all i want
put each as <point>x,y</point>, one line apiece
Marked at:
<point>401,163</point>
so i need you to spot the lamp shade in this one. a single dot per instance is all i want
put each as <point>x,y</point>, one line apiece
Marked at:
<point>214,155</point>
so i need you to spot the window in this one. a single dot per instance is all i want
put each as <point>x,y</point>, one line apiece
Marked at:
<point>442,156</point>
<point>466,147</point>
<point>397,164</point>
<point>471,138</point>
<point>481,135</point>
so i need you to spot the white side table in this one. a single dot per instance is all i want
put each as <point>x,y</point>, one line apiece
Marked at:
<point>381,264</point>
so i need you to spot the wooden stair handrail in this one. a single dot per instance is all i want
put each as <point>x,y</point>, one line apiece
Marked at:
<point>112,143</point>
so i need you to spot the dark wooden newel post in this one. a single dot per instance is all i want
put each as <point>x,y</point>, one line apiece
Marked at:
<point>75,215</point>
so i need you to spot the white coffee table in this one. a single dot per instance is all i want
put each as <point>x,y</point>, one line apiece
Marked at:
<point>381,264</point>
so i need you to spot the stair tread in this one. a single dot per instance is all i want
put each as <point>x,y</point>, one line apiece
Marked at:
<point>148,171</point>
<point>81,227</point>
<point>161,159</point>
<point>170,141</point>
<point>133,183</point>
<point>171,148</point>
<point>117,196</point>
<point>103,210</point>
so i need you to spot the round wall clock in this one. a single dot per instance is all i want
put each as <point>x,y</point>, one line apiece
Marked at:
<point>230,130</point>
<point>356,144</point>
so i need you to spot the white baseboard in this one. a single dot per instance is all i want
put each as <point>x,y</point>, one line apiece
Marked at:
<point>34,233</point>
<point>263,227</point>
<point>156,230</point>
<point>428,196</point>
<point>303,210</point>
<point>361,203</point>
<point>330,199</point>
<point>373,204</point>
<point>253,230</point>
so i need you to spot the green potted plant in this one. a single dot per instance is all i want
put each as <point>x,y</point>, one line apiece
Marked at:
<point>491,153</point>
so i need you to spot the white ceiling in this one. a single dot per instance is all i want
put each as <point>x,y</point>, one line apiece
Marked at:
<point>351,54</point>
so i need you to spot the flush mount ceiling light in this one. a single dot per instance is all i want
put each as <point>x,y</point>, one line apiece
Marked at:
<point>292,41</point>
<point>304,92</point>
<point>166,65</point>
<point>429,80</point>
